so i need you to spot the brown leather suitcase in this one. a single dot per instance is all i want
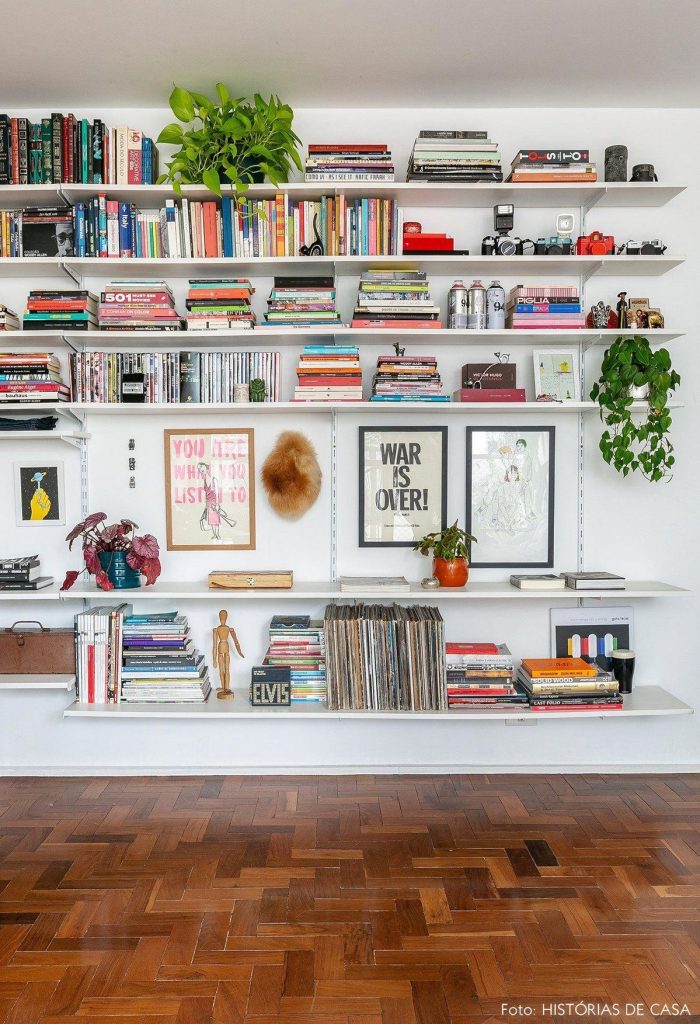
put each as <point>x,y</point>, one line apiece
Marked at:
<point>29,647</point>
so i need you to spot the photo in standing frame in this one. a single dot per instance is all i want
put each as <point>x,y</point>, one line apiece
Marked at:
<point>510,496</point>
<point>39,495</point>
<point>557,375</point>
<point>403,484</point>
<point>210,489</point>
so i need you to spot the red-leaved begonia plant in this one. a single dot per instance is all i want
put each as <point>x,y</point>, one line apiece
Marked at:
<point>142,553</point>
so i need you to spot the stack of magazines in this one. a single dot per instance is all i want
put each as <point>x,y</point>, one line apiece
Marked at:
<point>161,664</point>
<point>397,662</point>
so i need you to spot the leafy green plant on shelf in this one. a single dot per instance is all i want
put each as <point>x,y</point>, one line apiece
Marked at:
<point>233,142</point>
<point>631,445</point>
<point>450,543</point>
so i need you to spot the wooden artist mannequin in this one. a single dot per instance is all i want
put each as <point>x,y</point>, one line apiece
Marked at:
<point>222,654</point>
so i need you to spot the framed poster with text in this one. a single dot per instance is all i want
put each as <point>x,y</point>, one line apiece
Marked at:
<point>210,489</point>
<point>403,484</point>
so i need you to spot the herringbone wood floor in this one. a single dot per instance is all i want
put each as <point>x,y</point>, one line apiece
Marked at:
<point>346,900</point>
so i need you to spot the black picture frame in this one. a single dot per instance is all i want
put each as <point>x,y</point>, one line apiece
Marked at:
<point>394,429</point>
<point>550,432</point>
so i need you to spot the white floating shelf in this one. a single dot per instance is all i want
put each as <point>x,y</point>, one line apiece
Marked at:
<point>47,594</point>
<point>70,437</point>
<point>519,266</point>
<point>36,682</point>
<point>371,408</point>
<point>409,194</point>
<point>476,590</point>
<point>276,336</point>
<point>644,701</point>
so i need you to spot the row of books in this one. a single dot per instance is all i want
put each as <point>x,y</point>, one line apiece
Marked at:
<point>329,373</point>
<point>545,307</point>
<point>385,657</point>
<point>349,162</point>
<point>62,149</point>
<point>297,644</point>
<point>31,377</point>
<point>24,572</point>
<point>172,377</point>
<point>395,299</point>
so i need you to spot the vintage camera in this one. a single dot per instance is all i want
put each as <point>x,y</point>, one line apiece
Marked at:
<point>653,248</point>
<point>560,244</point>
<point>595,244</point>
<point>501,244</point>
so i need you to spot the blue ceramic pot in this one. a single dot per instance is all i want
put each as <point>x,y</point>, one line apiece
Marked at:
<point>121,575</point>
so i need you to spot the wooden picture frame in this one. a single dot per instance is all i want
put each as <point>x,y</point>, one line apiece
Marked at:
<point>418,487</point>
<point>224,490</point>
<point>510,496</point>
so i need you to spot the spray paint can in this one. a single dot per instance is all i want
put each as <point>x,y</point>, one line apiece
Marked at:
<point>495,307</point>
<point>457,307</point>
<point>476,307</point>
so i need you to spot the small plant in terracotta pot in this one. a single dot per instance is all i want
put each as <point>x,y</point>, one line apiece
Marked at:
<point>114,554</point>
<point>451,550</point>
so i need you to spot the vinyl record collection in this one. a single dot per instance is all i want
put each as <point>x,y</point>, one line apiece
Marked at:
<point>545,306</point>
<point>381,657</point>
<point>172,377</point>
<point>63,149</point>
<point>351,162</point>
<point>138,305</point>
<point>60,311</point>
<point>297,642</point>
<point>329,373</point>
<point>31,377</point>
<point>454,156</point>
<point>397,299</point>
<point>221,304</point>
<point>302,302</point>
<point>407,379</point>
<point>481,675</point>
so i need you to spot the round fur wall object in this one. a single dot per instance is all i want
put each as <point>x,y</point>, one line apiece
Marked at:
<point>291,475</point>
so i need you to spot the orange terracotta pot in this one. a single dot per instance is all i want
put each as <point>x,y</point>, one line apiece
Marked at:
<point>451,573</point>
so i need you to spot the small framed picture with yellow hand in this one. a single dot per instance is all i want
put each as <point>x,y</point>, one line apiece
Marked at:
<point>39,499</point>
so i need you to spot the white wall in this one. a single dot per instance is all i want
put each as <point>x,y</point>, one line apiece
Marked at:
<point>632,527</point>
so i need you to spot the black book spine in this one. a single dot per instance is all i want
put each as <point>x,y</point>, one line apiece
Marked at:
<point>56,149</point>
<point>4,149</point>
<point>96,151</point>
<point>90,143</point>
<point>190,377</point>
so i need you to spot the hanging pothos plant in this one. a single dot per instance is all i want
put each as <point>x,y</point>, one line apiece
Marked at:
<point>632,443</point>
<point>234,142</point>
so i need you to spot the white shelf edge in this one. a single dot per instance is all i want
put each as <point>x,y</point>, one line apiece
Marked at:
<point>32,681</point>
<point>644,701</point>
<point>308,408</point>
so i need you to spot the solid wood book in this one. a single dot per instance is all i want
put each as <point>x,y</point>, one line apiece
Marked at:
<point>550,668</point>
<point>255,579</point>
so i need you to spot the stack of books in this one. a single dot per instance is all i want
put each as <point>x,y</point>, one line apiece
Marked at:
<point>221,304</point>
<point>64,149</point>
<point>398,660</point>
<point>454,156</point>
<point>302,302</point>
<point>23,573</point>
<point>481,675</point>
<point>329,373</point>
<point>593,581</point>
<point>138,306</point>
<point>297,643</point>
<point>407,379</point>
<point>69,310</point>
<point>9,321</point>
<point>545,307</point>
<point>160,662</point>
<point>173,377</point>
<point>571,684</point>
<point>552,165</point>
<point>31,377</point>
<point>385,584</point>
<point>350,162</point>
<point>395,299</point>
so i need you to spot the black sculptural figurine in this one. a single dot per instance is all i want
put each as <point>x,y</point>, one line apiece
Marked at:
<point>622,310</point>
<point>616,163</point>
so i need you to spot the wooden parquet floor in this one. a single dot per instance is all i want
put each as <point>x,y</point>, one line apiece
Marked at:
<point>349,900</point>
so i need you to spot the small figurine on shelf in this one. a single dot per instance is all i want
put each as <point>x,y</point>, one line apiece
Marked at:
<point>221,654</point>
<point>622,310</point>
<point>601,317</point>
<point>257,390</point>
